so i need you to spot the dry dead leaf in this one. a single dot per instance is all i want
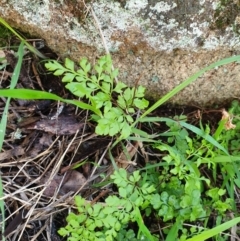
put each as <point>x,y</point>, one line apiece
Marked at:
<point>2,57</point>
<point>17,151</point>
<point>124,159</point>
<point>46,139</point>
<point>64,125</point>
<point>72,181</point>
<point>226,116</point>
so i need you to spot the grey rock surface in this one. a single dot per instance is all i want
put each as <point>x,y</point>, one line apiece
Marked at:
<point>157,43</point>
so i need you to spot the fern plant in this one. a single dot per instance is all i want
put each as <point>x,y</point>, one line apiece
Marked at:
<point>165,195</point>
<point>117,102</point>
<point>109,222</point>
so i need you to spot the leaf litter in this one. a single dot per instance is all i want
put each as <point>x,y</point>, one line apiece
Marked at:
<point>41,141</point>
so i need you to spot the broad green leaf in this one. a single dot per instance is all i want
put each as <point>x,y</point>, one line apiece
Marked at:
<point>80,72</point>
<point>79,89</point>
<point>79,201</point>
<point>63,232</point>
<point>54,65</point>
<point>107,106</point>
<point>141,103</point>
<point>106,78</point>
<point>83,63</point>
<point>127,95</point>
<point>119,87</point>
<point>114,129</point>
<point>81,78</point>
<point>92,86</point>
<point>102,129</point>
<point>140,91</point>
<point>122,192</point>
<point>106,87</point>
<point>129,118</point>
<point>68,77</point>
<point>98,69</point>
<point>121,102</point>
<point>87,68</point>
<point>74,223</point>
<point>69,64</point>
<point>126,131</point>
<point>59,72</point>
<point>114,73</point>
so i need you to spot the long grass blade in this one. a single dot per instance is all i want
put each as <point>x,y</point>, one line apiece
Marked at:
<point>214,231</point>
<point>29,46</point>
<point>187,82</point>
<point>190,127</point>
<point>3,123</point>
<point>142,228</point>
<point>26,94</point>
<point>13,83</point>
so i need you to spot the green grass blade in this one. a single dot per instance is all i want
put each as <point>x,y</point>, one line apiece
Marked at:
<point>192,128</point>
<point>187,82</point>
<point>26,94</point>
<point>142,228</point>
<point>173,233</point>
<point>221,159</point>
<point>204,135</point>
<point>3,123</point>
<point>18,66</point>
<point>214,231</point>
<point>13,83</point>
<point>29,46</point>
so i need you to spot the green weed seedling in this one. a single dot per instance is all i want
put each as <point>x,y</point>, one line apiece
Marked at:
<point>110,221</point>
<point>167,195</point>
<point>118,102</point>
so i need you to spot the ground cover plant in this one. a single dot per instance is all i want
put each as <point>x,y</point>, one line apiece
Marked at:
<point>176,182</point>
